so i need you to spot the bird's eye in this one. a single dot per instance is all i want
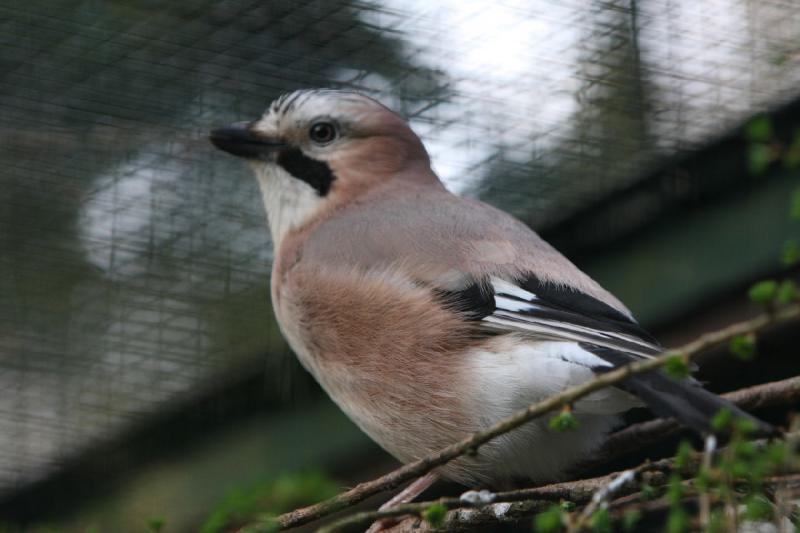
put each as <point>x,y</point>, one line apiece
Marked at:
<point>322,132</point>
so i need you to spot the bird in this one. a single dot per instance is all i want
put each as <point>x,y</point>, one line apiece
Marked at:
<point>428,316</point>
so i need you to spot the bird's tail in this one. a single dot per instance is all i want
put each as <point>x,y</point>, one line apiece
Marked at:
<point>684,399</point>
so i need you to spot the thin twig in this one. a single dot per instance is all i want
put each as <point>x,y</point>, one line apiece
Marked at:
<point>602,497</point>
<point>709,447</point>
<point>639,436</point>
<point>471,444</point>
<point>633,502</point>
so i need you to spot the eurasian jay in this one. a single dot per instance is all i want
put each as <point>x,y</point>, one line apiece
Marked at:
<point>427,316</point>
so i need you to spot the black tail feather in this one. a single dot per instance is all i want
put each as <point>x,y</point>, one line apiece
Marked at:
<point>684,399</point>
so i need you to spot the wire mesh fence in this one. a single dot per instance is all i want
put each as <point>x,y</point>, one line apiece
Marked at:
<point>135,260</point>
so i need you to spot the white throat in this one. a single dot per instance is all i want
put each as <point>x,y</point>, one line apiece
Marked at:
<point>289,202</point>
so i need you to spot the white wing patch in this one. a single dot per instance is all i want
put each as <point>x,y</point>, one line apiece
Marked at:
<point>509,304</point>
<point>503,287</point>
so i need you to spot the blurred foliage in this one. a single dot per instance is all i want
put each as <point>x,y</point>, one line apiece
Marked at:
<point>549,521</point>
<point>734,483</point>
<point>791,253</point>
<point>759,129</point>
<point>273,497</point>
<point>761,136</point>
<point>787,292</point>
<point>684,455</point>
<point>601,521</point>
<point>156,524</point>
<point>743,347</point>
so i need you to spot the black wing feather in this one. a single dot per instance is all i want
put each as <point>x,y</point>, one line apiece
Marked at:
<point>571,304</point>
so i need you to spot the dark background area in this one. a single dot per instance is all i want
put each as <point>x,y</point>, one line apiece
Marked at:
<point>142,372</point>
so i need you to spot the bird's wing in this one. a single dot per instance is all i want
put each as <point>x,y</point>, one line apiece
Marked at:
<point>529,307</point>
<point>546,310</point>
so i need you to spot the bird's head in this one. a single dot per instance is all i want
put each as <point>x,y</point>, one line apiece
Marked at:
<point>314,149</point>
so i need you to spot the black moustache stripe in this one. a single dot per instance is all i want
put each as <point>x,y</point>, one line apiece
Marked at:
<point>316,173</point>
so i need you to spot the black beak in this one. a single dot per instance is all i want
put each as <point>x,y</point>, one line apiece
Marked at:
<point>239,139</point>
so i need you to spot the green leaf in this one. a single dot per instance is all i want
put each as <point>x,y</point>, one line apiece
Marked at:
<point>567,505</point>
<point>722,420</point>
<point>563,421</point>
<point>678,521</point>
<point>718,522</point>
<point>744,449</point>
<point>675,490</point>
<point>601,521</point>
<point>703,479</point>
<point>763,292</point>
<point>549,521</point>
<point>743,347</point>
<point>676,367</point>
<point>787,292</point>
<point>274,496</point>
<point>791,253</point>
<point>156,523</point>
<point>757,508</point>
<point>778,453</point>
<point>759,156</point>
<point>739,469</point>
<point>759,129</point>
<point>435,514</point>
<point>683,457</point>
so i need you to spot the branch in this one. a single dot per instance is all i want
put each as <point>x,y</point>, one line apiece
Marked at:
<point>527,501</point>
<point>637,436</point>
<point>512,506</point>
<point>471,444</point>
<point>789,481</point>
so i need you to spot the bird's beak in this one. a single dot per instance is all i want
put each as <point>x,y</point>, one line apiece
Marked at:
<point>239,139</point>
